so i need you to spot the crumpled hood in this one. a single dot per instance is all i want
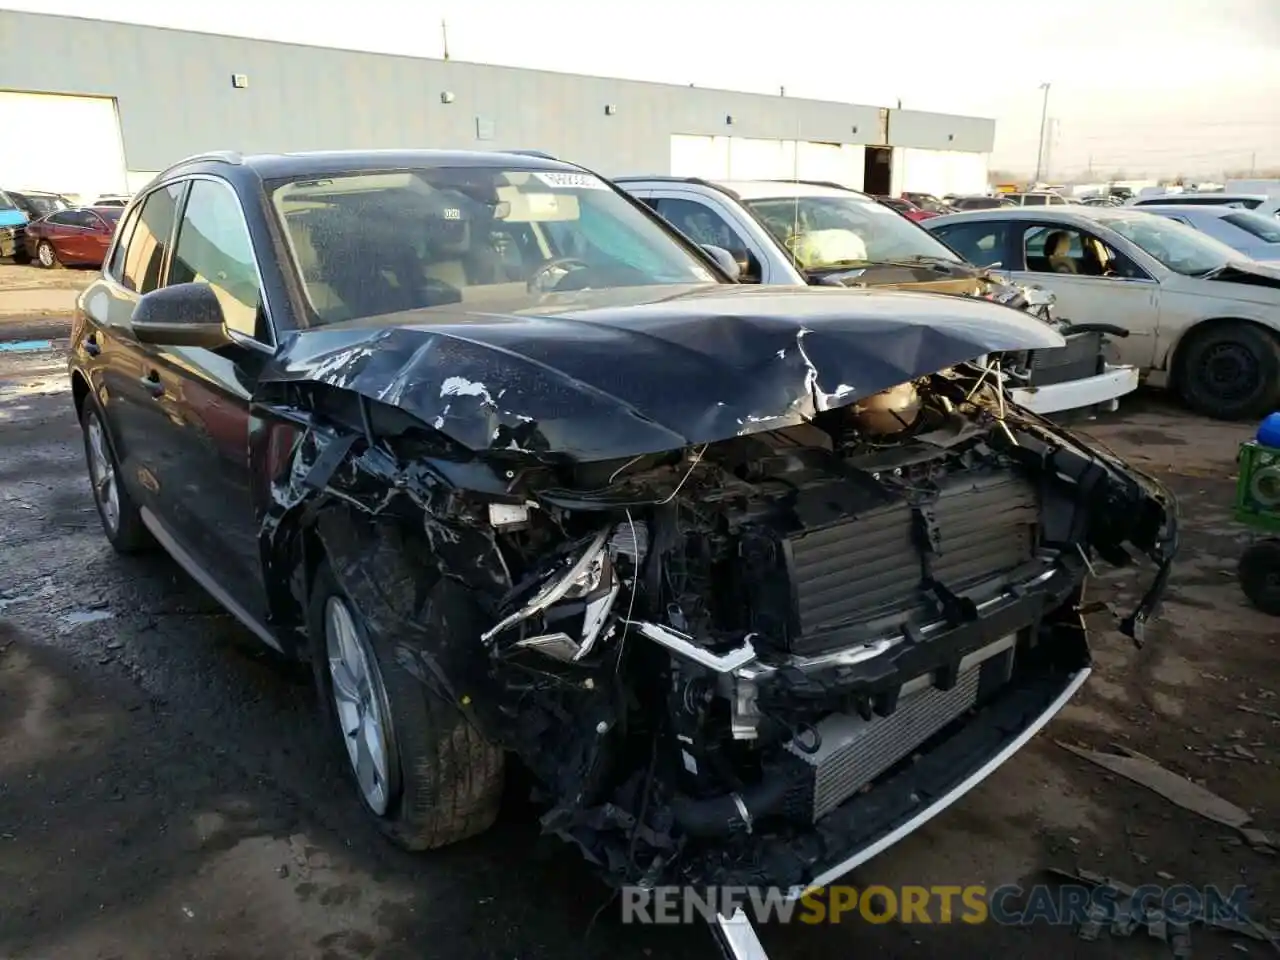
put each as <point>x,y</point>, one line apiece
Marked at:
<point>1250,273</point>
<point>610,374</point>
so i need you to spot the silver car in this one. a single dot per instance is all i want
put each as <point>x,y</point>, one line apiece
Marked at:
<point>1250,233</point>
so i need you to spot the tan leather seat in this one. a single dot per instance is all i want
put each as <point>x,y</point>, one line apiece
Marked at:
<point>1057,250</point>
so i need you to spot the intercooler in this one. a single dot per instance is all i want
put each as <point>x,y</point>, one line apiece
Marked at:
<point>864,568</point>
<point>854,751</point>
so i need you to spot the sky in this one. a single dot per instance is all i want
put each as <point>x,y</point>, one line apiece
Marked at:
<point>1144,86</point>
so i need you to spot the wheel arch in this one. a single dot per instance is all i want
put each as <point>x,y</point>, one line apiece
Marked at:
<point>79,391</point>
<point>1188,336</point>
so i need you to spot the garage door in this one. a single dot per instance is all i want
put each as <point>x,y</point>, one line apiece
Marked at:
<point>67,145</point>
<point>748,158</point>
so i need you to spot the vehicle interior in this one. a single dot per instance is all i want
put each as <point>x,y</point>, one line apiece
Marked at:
<point>1065,250</point>
<point>500,237</point>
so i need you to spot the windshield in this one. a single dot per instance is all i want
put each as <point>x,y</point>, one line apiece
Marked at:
<point>5,202</point>
<point>43,206</point>
<point>1264,228</point>
<point>835,231</point>
<point>1177,246</point>
<point>366,244</point>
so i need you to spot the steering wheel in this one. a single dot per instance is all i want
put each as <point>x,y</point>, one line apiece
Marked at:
<point>538,280</point>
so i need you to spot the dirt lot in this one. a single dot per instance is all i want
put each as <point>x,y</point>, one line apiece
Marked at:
<point>163,791</point>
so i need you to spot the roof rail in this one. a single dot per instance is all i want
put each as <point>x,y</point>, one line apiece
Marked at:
<point>217,156</point>
<point>818,183</point>
<point>667,178</point>
<point>531,153</point>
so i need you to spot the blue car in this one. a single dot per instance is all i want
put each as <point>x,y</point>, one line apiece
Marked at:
<point>13,220</point>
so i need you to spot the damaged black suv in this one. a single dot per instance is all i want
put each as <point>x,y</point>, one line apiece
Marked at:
<point>753,580</point>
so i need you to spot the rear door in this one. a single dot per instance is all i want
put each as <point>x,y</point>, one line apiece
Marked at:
<point>131,397</point>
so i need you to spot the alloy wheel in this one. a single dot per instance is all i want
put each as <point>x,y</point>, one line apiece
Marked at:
<point>361,704</point>
<point>102,473</point>
<point>45,254</point>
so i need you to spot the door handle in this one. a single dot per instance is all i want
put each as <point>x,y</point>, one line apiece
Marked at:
<point>151,383</point>
<point>91,345</point>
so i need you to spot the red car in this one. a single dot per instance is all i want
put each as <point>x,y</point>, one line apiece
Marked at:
<point>906,208</point>
<point>79,236</point>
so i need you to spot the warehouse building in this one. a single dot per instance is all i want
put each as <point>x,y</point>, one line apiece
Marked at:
<point>90,107</point>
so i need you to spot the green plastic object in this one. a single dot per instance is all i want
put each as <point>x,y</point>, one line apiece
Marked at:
<point>1258,487</point>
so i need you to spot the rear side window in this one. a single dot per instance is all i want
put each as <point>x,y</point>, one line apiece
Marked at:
<point>115,268</point>
<point>982,244</point>
<point>214,248</point>
<point>144,259</point>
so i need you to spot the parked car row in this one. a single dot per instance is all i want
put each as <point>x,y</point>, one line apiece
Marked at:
<point>805,233</point>
<point>51,230</point>
<point>753,578</point>
<point>1202,318</point>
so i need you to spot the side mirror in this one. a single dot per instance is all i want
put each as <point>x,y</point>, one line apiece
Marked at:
<point>183,315</point>
<point>725,261</point>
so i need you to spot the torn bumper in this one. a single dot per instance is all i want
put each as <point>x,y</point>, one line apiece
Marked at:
<point>1103,390</point>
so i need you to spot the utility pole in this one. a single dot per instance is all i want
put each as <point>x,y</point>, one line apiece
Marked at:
<point>1051,139</point>
<point>1253,164</point>
<point>1044,115</point>
<point>444,37</point>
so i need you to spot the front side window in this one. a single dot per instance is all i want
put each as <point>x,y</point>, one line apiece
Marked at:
<point>368,244</point>
<point>214,248</point>
<point>834,231</point>
<point>144,259</point>
<point>701,224</point>
<point>1176,246</point>
<point>1059,249</point>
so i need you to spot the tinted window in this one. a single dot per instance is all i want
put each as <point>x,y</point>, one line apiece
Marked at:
<point>979,243</point>
<point>1034,200</point>
<point>64,219</point>
<point>214,248</point>
<point>115,268</point>
<point>701,224</point>
<point>145,257</point>
<point>366,244</point>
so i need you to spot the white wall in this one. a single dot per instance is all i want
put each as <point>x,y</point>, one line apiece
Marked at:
<point>939,171</point>
<point>746,158</point>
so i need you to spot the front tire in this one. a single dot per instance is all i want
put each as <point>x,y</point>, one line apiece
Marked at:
<point>422,769</point>
<point>1231,371</point>
<point>46,256</point>
<point>1259,573</point>
<point>121,519</point>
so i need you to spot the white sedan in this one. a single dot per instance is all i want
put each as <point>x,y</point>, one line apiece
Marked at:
<point>1202,319</point>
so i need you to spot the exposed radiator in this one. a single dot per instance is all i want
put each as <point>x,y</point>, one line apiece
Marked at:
<point>1081,357</point>
<point>871,565</point>
<point>854,751</point>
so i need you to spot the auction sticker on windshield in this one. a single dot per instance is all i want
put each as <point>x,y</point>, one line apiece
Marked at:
<point>578,181</point>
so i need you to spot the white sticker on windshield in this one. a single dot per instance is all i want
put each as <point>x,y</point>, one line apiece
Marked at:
<point>574,181</point>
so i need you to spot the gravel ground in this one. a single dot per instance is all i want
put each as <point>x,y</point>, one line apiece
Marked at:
<point>164,792</point>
